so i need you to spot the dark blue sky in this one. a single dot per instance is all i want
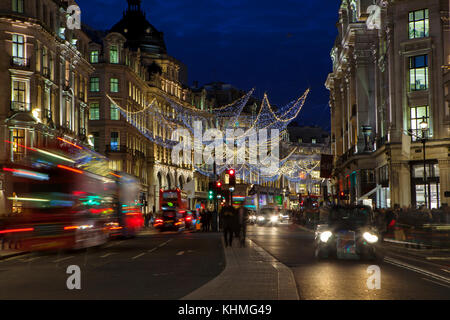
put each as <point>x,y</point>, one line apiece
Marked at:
<point>280,47</point>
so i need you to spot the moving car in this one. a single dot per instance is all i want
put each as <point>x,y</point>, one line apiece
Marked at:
<point>268,216</point>
<point>348,232</point>
<point>170,220</point>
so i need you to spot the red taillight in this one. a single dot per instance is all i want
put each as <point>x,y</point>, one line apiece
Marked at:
<point>188,218</point>
<point>16,230</point>
<point>71,228</point>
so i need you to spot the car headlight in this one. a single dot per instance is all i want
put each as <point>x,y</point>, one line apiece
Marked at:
<point>324,236</point>
<point>274,219</point>
<point>260,218</point>
<point>371,238</point>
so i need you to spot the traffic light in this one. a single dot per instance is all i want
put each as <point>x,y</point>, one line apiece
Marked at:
<point>343,196</point>
<point>218,185</point>
<point>232,177</point>
<point>211,195</point>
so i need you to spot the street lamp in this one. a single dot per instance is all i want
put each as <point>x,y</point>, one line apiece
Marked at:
<point>424,127</point>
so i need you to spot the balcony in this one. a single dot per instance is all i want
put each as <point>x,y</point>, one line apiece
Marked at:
<point>116,149</point>
<point>18,62</point>
<point>20,106</point>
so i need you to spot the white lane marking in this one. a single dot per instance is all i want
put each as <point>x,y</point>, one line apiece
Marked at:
<point>154,249</point>
<point>180,253</point>
<point>435,282</point>
<point>63,259</point>
<point>31,259</point>
<point>164,243</point>
<point>107,255</point>
<point>448,271</point>
<point>138,256</point>
<point>416,269</point>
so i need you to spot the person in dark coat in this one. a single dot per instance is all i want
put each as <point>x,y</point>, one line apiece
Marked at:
<point>242,223</point>
<point>228,215</point>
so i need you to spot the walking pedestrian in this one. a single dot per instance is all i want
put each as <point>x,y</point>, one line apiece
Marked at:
<point>243,220</point>
<point>228,216</point>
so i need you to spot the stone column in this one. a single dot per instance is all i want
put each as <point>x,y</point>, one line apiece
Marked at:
<point>400,184</point>
<point>444,172</point>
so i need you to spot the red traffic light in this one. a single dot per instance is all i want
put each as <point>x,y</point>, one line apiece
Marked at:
<point>219,184</point>
<point>231,172</point>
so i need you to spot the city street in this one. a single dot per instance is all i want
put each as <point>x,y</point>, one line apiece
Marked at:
<point>173,265</point>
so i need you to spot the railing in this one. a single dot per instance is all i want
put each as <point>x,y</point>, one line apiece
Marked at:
<point>20,106</point>
<point>20,62</point>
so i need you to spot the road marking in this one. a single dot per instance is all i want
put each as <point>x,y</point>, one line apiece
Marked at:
<point>31,259</point>
<point>63,259</point>
<point>438,258</point>
<point>150,251</point>
<point>164,243</point>
<point>441,284</point>
<point>114,244</point>
<point>416,269</point>
<point>180,253</point>
<point>138,256</point>
<point>448,271</point>
<point>107,255</point>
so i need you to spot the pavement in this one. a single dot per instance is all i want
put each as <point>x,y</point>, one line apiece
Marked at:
<point>250,274</point>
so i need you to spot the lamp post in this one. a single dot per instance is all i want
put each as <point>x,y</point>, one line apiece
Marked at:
<point>424,128</point>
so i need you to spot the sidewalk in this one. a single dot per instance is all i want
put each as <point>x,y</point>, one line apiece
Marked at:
<point>250,274</point>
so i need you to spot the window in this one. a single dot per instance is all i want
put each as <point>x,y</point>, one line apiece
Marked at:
<point>417,115</point>
<point>113,54</point>
<point>19,96</point>
<point>314,141</point>
<point>17,6</point>
<point>95,84</point>
<point>115,115</point>
<point>114,141</point>
<point>419,24</point>
<point>94,56</point>
<point>94,111</point>
<point>18,139</point>
<point>114,84</point>
<point>418,73</point>
<point>18,50</point>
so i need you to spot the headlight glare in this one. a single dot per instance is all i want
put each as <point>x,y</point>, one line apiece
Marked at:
<point>371,238</point>
<point>324,236</point>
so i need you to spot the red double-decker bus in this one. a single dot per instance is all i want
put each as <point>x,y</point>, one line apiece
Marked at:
<point>173,199</point>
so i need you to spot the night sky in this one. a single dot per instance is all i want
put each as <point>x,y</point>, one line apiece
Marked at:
<point>280,47</point>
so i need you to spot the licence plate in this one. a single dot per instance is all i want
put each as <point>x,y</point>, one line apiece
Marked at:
<point>169,221</point>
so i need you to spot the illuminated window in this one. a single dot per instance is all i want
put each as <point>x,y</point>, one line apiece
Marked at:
<point>17,6</point>
<point>94,111</point>
<point>19,96</point>
<point>418,73</point>
<point>115,115</point>
<point>95,84</point>
<point>18,141</point>
<point>18,49</point>
<point>419,24</point>
<point>416,116</point>
<point>94,56</point>
<point>114,55</point>
<point>114,141</point>
<point>114,84</point>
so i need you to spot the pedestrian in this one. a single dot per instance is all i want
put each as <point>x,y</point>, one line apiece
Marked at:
<point>208,220</point>
<point>243,220</point>
<point>228,217</point>
<point>203,220</point>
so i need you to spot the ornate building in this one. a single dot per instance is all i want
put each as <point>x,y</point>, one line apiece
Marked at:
<point>44,73</point>
<point>132,71</point>
<point>390,77</point>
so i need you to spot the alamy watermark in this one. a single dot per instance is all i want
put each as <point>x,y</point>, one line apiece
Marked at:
<point>73,19</point>
<point>232,147</point>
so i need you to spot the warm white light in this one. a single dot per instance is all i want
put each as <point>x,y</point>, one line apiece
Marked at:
<point>424,125</point>
<point>274,219</point>
<point>324,236</point>
<point>371,238</point>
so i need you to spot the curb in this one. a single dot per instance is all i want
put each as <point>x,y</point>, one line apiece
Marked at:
<point>12,255</point>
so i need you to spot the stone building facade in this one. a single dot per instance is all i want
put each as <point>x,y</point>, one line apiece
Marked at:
<point>390,76</point>
<point>44,74</point>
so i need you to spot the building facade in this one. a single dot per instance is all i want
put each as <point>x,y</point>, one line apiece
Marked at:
<point>44,74</point>
<point>390,78</point>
